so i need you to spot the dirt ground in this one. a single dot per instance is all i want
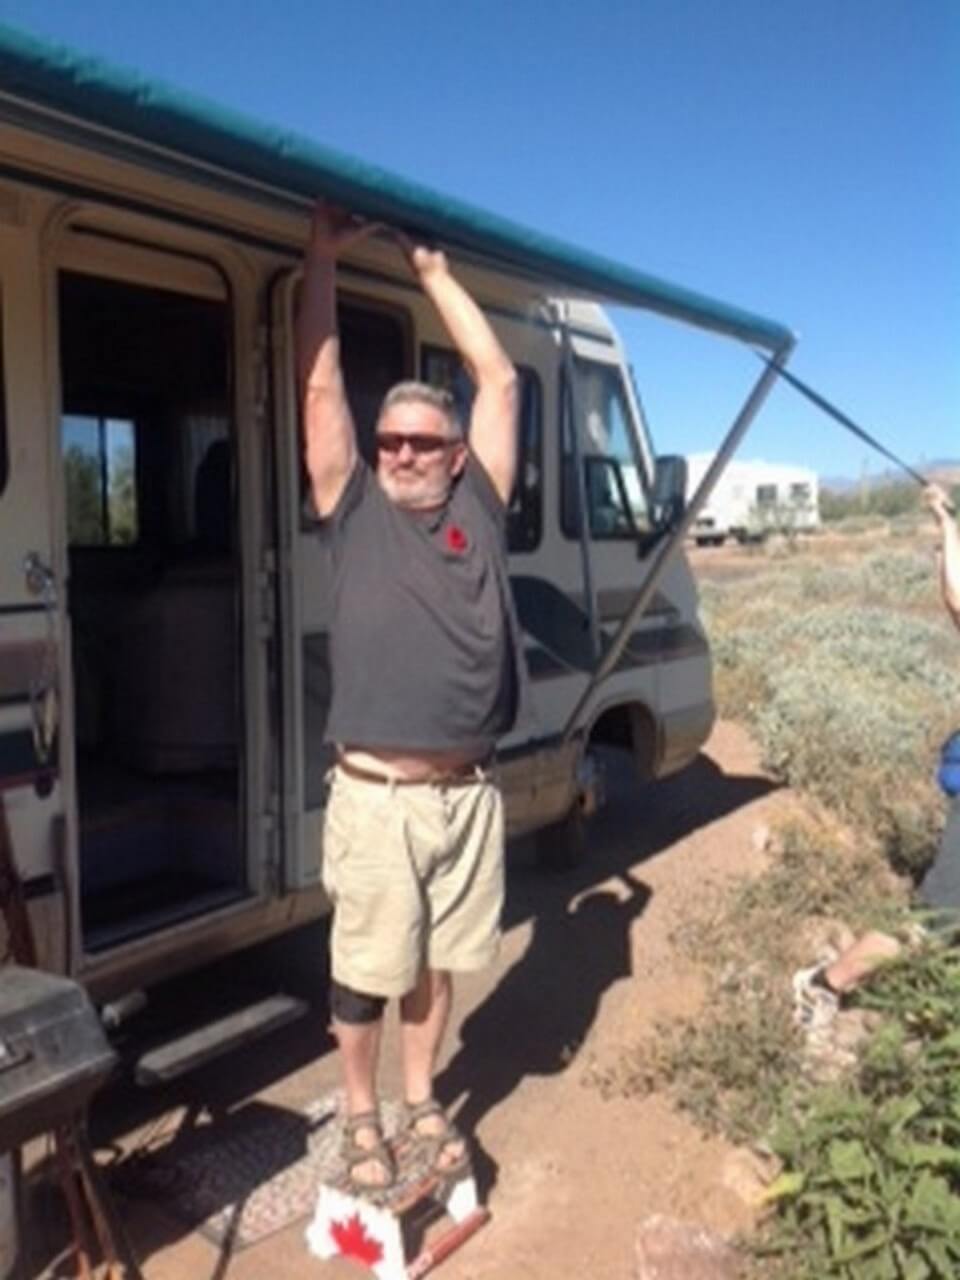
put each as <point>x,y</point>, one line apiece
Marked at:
<point>588,966</point>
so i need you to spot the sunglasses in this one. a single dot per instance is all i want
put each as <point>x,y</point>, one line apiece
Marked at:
<point>393,442</point>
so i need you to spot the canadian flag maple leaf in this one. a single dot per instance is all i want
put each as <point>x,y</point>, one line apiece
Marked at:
<point>353,1241</point>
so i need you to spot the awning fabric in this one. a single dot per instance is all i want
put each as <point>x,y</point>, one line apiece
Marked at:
<point>55,78</point>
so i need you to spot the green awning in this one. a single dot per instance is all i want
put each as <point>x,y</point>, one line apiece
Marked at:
<point>47,76</point>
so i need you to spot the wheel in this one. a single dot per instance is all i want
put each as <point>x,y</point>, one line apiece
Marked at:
<point>563,845</point>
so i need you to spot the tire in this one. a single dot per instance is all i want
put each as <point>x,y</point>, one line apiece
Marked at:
<point>563,845</point>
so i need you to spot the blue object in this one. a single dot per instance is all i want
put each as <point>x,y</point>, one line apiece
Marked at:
<point>948,773</point>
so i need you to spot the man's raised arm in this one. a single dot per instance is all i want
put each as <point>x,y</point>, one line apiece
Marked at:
<point>493,420</point>
<point>331,446</point>
<point>949,549</point>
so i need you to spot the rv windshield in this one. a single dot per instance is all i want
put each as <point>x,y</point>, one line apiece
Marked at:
<point>618,498</point>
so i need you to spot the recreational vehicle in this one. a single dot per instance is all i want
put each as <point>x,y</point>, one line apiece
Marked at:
<point>752,500</point>
<point>163,609</point>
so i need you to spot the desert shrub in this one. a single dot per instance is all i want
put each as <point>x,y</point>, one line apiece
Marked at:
<point>854,715</point>
<point>908,525</point>
<point>848,686</point>
<point>729,1065</point>
<point>819,871</point>
<point>857,524</point>
<point>725,1068</point>
<point>871,1181</point>
<point>898,580</point>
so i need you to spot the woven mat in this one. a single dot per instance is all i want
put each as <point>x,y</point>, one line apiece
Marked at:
<point>242,1179</point>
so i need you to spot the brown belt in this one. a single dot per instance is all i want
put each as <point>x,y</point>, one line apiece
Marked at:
<point>463,774</point>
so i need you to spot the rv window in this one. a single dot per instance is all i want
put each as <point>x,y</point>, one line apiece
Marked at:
<point>3,411</point>
<point>443,368</point>
<point>374,353</point>
<point>766,495</point>
<point>99,459</point>
<point>373,347</point>
<point>800,494</point>
<point>616,490</point>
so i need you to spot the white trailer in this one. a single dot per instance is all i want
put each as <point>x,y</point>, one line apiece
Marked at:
<point>753,499</point>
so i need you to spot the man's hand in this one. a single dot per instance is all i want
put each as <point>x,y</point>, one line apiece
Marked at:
<point>424,261</point>
<point>332,230</point>
<point>428,262</point>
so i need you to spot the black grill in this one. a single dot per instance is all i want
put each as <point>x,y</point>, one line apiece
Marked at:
<point>53,1053</point>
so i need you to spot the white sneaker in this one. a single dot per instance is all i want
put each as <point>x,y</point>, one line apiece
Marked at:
<point>814,1005</point>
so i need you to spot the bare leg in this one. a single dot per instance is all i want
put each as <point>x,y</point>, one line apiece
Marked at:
<point>860,960</point>
<point>359,1056</point>
<point>424,1013</point>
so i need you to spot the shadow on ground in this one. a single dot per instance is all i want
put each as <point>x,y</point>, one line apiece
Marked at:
<point>541,1011</point>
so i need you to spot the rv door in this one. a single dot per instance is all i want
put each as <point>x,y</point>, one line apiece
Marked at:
<point>33,762</point>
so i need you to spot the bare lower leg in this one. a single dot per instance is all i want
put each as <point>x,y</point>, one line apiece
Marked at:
<point>424,1013</point>
<point>857,963</point>
<point>359,1055</point>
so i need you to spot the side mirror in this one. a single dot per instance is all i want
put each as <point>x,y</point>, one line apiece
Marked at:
<point>669,495</point>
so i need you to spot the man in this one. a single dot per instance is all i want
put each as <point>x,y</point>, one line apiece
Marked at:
<point>818,991</point>
<point>426,672</point>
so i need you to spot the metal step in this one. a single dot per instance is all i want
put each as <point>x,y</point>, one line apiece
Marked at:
<point>167,1061</point>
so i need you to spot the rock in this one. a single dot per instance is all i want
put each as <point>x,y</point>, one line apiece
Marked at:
<point>824,1060</point>
<point>823,938</point>
<point>762,838</point>
<point>747,1174</point>
<point>670,1250</point>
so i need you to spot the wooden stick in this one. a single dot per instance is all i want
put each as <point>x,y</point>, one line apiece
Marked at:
<point>71,1193</point>
<point>113,1237</point>
<point>434,1254</point>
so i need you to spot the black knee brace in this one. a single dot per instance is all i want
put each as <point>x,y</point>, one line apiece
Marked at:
<point>353,1007</point>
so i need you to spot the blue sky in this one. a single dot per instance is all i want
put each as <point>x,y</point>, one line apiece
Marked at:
<point>797,157</point>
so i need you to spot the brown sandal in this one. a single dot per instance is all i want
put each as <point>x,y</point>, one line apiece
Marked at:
<point>431,1146</point>
<point>356,1154</point>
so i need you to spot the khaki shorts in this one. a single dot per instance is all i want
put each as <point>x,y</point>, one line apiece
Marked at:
<point>415,875</point>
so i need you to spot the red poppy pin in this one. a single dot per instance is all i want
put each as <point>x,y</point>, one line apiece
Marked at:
<point>456,539</point>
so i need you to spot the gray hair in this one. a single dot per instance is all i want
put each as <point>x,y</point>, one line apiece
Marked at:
<point>422,393</point>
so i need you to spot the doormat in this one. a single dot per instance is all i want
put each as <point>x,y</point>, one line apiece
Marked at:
<point>249,1176</point>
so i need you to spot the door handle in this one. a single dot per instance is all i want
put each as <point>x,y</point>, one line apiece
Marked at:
<point>39,577</point>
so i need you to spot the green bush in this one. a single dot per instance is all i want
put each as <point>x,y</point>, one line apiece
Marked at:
<point>871,1181</point>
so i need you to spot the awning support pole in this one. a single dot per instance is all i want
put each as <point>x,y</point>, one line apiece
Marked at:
<point>667,547</point>
<point>580,488</point>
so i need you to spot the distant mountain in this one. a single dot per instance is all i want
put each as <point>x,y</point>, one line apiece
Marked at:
<point>943,470</point>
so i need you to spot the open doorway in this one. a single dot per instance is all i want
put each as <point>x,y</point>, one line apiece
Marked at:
<point>154,604</point>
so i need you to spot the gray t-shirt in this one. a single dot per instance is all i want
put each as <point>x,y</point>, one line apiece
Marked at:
<point>423,640</point>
